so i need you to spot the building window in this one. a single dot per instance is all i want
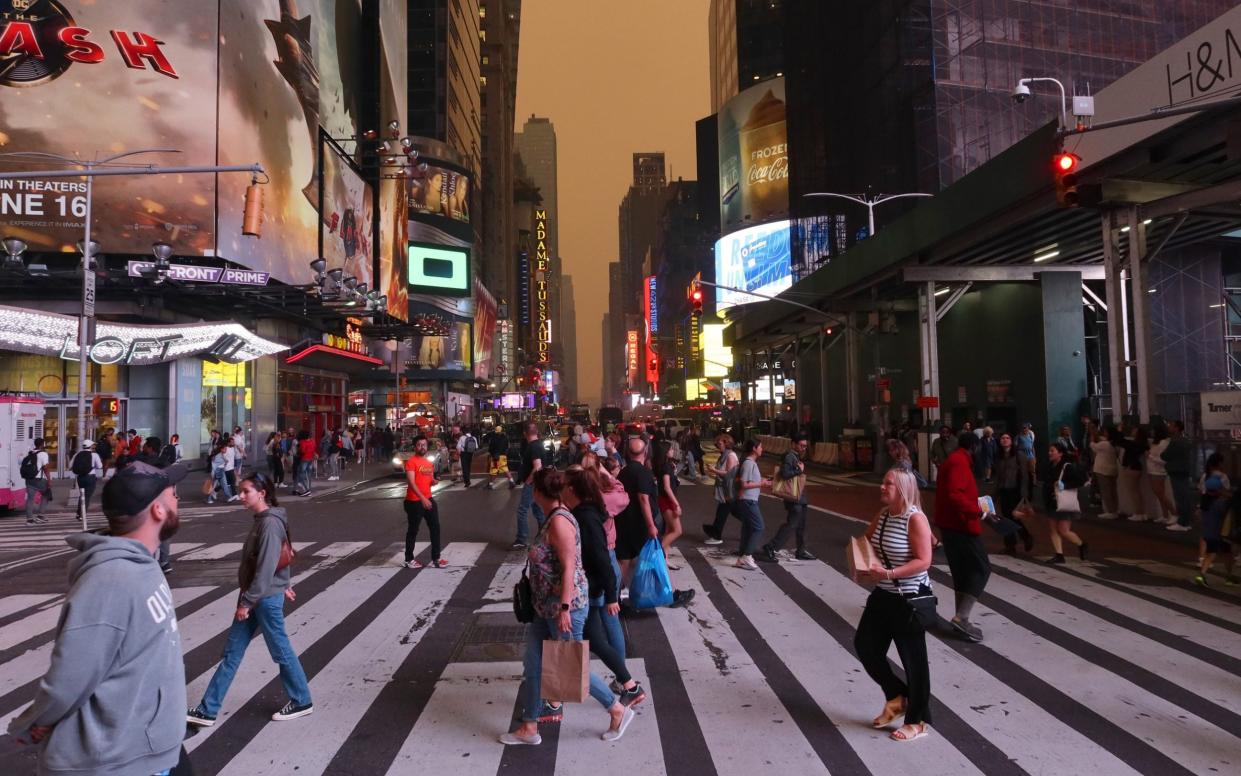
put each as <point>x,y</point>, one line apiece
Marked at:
<point>482,12</point>
<point>482,80</point>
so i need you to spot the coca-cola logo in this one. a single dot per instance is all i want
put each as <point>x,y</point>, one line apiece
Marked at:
<point>771,170</point>
<point>39,40</point>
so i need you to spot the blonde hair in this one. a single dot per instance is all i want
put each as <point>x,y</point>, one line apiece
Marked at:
<point>906,489</point>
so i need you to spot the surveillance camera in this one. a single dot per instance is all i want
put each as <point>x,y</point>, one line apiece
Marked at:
<point>1021,93</point>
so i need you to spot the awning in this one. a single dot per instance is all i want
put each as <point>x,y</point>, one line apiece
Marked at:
<point>332,359</point>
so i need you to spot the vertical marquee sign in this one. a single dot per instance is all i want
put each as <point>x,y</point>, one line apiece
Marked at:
<point>542,307</point>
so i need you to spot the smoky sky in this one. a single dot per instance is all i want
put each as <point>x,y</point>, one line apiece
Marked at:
<point>615,79</point>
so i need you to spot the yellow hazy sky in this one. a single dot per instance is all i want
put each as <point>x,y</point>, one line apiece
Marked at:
<point>615,78</point>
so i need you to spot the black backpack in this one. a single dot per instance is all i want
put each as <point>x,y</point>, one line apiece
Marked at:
<point>30,466</point>
<point>81,465</point>
<point>168,456</point>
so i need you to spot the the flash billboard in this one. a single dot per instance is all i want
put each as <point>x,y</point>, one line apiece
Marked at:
<point>753,157</point>
<point>756,259</point>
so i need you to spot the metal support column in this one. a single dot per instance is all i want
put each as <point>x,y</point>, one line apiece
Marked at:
<point>1141,315</point>
<point>929,346</point>
<point>1118,372</point>
<point>823,388</point>
<point>853,405</point>
<point>799,384</point>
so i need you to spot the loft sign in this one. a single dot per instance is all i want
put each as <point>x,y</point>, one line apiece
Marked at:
<point>114,350</point>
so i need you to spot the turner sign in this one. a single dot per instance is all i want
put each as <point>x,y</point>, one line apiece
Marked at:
<point>39,40</point>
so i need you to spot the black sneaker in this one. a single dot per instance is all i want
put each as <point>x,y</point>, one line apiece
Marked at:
<point>1056,560</point>
<point>517,546</point>
<point>767,555</point>
<point>682,597</point>
<point>968,630</point>
<point>804,555</point>
<point>709,530</point>
<point>292,711</point>
<point>1081,551</point>
<point>166,568</point>
<point>632,697</point>
<point>196,716</point>
<point>1028,539</point>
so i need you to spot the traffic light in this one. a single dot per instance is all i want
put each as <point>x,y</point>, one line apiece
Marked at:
<point>1065,170</point>
<point>695,294</point>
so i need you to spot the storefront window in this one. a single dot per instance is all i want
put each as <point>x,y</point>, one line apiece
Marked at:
<point>311,401</point>
<point>53,378</point>
<point>226,399</point>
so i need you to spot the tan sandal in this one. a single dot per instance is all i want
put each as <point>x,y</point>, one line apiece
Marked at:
<point>891,710</point>
<point>919,730</point>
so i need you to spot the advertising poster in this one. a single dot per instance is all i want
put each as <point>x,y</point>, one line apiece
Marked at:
<point>717,358</point>
<point>754,157</point>
<point>348,209</point>
<point>755,259</point>
<point>393,98</point>
<point>140,74</point>
<point>285,70</point>
<point>451,353</point>
<point>439,191</point>
<point>484,329</point>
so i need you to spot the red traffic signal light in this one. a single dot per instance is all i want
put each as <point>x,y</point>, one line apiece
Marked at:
<point>1065,166</point>
<point>1066,162</point>
<point>695,300</point>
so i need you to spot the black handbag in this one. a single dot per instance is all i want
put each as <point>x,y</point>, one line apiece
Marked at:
<point>922,604</point>
<point>523,600</point>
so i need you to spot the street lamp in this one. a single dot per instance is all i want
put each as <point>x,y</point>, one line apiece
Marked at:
<point>14,247</point>
<point>869,201</point>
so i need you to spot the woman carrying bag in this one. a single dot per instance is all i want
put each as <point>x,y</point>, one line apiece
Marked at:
<point>264,579</point>
<point>561,597</point>
<point>725,472</point>
<point>1063,507</point>
<point>900,606</point>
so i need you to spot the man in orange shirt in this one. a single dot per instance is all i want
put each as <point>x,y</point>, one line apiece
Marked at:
<point>420,474</point>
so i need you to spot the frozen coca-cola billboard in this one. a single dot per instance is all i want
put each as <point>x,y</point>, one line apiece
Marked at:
<point>754,157</point>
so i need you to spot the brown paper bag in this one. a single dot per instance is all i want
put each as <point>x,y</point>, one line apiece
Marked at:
<point>566,671</point>
<point>860,556</point>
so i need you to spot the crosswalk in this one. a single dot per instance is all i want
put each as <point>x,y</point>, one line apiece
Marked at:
<point>1106,668</point>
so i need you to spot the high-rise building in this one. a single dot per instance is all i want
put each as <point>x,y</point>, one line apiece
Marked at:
<point>497,261</point>
<point>745,43</point>
<point>614,338</point>
<point>444,76</point>
<point>638,221</point>
<point>536,142</point>
<point>906,95</point>
<point>568,339</point>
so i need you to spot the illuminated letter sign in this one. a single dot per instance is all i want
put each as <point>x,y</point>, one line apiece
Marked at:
<point>542,306</point>
<point>631,351</point>
<point>652,305</point>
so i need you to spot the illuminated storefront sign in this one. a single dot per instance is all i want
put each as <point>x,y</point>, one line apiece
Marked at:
<point>542,305</point>
<point>631,355</point>
<point>351,341</point>
<point>29,331</point>
<point>652,305</point>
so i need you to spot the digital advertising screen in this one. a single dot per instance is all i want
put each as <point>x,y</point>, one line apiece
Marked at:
<point>753,156</point>
<point>450,353</point>
<point>716,357</point>
<point>439,191</point>
<point>485,311</point>
<point>756,259</point>
<point>439,270</point>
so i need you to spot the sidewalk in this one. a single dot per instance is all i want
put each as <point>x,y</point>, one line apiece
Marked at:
<point>189,490</point>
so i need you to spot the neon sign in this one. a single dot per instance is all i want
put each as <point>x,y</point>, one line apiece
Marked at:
<point>542,305</point>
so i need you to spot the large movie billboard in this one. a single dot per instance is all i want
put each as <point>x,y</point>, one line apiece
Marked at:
<point>755,259</point>
<point>754,157</point>
<point>484,330</point>
<point>393,98</point>
<point>86,80</point>
<point>347,212</point>
<point>439,191</point>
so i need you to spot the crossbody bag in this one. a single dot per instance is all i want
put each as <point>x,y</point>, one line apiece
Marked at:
<point>922,604</point>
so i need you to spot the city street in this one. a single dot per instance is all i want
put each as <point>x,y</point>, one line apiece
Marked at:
<point>1111,666</point>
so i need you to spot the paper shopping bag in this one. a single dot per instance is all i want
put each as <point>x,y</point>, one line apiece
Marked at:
<point>566,671</point>
<point>860,556</point>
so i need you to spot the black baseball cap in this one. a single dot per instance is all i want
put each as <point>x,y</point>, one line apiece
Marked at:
<point>133,488</point>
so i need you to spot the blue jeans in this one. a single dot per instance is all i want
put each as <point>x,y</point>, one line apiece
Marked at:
<point>751,525</point>
<point>220,477</point>
<point>1182,496</point>
<point>302,479</point>
<point>44,490</point>
<point>531,690</point>
<point>524,507</point>
<point>268,617</point>
<point>611,624</point>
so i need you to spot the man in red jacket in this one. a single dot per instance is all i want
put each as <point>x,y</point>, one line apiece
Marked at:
<point>960,524</point>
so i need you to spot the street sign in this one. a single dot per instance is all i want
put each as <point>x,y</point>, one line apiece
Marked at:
<point>884,383</point>
<point>88,293</point>
<point>928,402</point>
<point>192,273</point>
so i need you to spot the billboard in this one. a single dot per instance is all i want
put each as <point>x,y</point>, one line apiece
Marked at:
<point>89,80</point>
<point>439,270</point>
<point>450,353</point>
<point>439,191</point>
<point>755,259</point>
<point>347,207</point>
<point>484,329</point>
<point>393,98</point>
<point>716,357</point>
<point>753,157</point>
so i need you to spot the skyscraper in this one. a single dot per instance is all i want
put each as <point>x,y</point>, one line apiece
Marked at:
<point>568,338</point>
<point>444,77</point>
<point>536,142</point>
<point>746,43</point>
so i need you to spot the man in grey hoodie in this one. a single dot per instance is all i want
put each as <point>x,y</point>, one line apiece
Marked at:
<point>110,704</point>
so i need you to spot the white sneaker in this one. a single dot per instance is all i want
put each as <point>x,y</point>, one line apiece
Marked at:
<point>712,542</point>
<point>235,497</point>
<point>1107,516</point>
<point>1178,528</point>
<point>747,562</point>
<point>1138,518</point>
<point>512,739</point>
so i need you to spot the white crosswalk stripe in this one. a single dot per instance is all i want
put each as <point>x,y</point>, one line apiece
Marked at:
<point>719,690</point>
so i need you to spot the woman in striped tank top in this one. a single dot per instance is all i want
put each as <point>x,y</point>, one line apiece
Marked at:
<point>900,536</point>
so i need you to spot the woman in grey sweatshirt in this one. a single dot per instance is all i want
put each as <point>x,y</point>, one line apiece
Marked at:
<point>264,581</point>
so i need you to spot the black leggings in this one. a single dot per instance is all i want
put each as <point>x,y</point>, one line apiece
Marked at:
<point>722,511</point>
<point>888,618</point>
<point>414,513</point>
<point>276,464</point>
<point>601,647</point>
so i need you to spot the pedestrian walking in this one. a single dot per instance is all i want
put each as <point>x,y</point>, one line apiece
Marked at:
<point>1025,451</point>
<point>264,580</point>
<point>900,538</point>
<point>219,478</point>
<point>1178,462</point>
<point>306,453</point>
<point>1012,485</point>
<point>1105,468</point>
<point>640,520</point>
<point>1217,524</point>
<point>1132,466</point>
<point>34,470</point>
<point>984,454</point>
<point>959,519</point>
<point>275,458</point>
<point>420,505</point>
<point>1064,479</point>
<point>664,468</point>
<point>535,456</point>
<point>497,457</point>
<point>105,447</point>
<point>941,447</point>
<point>792,467</point>
<point>725,472</point>
<point>87,467</point>
<point>110,703</point>
<point>239,451</point>
<point>561,603</point>
<point>467,445</point>
<point>749,483</point>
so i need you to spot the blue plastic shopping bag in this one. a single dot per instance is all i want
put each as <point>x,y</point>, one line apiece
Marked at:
<point>651,585</point>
